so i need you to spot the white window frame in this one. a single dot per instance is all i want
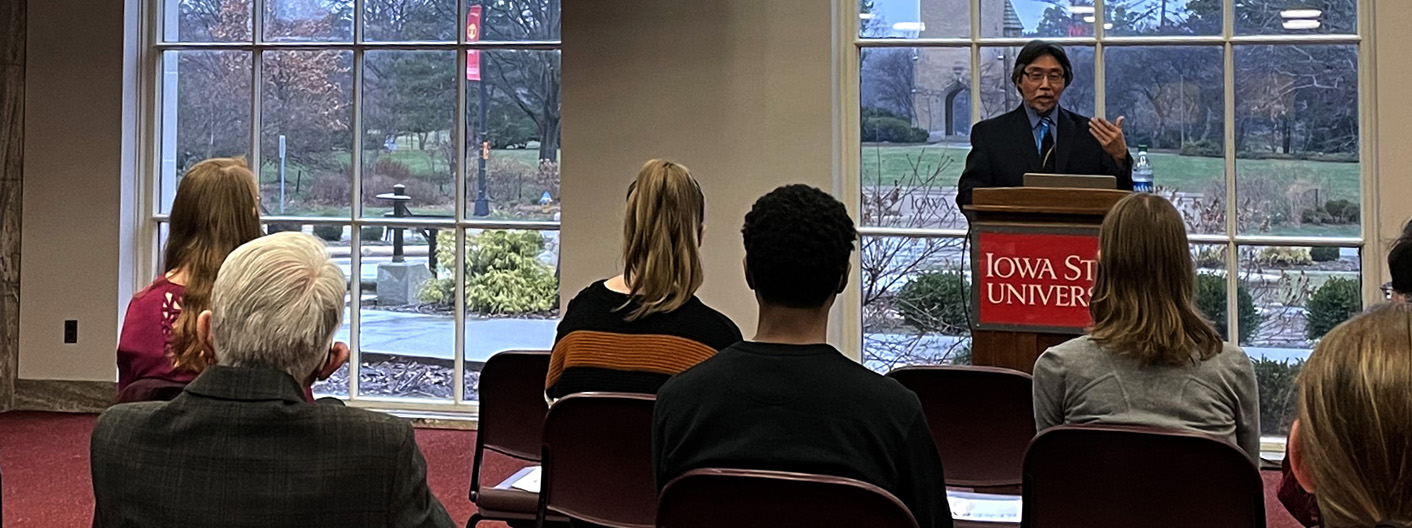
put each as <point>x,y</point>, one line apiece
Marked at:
<point>149,107</point>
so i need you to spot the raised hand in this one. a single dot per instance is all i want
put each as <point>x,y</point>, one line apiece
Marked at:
<point>1110,135</point>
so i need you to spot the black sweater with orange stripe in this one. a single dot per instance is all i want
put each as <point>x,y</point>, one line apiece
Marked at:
<point>596,350</point>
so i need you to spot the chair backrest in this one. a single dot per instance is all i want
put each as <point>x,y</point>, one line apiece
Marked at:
<point>598,459</point>
<point>745,498</point>
<point>150,389</point>
<point>512,405</point>
<point>1125,476</point>
<point>981,417</point>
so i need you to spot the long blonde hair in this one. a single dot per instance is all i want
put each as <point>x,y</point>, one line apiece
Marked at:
<point>1355,419</point>
<point>214,212</point>
<point>662,238</point>
<point>1142,296</point>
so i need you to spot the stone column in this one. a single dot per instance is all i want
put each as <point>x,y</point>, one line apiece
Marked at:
<point>12,101</point>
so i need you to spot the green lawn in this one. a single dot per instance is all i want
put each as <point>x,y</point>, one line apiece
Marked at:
<point>428,162</point>
<point>911,165</point>
<point>429,166</point>
<point>915,164</point>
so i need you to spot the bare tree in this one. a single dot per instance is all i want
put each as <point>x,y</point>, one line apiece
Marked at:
<point>528,79</point>
<point>889,76</point>
<point>913,199</point>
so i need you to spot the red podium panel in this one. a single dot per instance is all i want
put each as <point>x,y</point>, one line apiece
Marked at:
<point>1033,279</point>
<point>1033,258</point>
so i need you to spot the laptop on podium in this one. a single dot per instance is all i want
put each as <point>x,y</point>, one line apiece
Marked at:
<point>1070,181</point>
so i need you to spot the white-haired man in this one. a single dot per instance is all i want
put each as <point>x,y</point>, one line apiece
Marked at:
<point>242,446</point>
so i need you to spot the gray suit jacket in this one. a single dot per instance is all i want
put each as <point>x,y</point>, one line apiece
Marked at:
<point>242,447</point>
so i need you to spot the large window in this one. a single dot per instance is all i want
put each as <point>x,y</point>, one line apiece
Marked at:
<point>1251,112</point>
<point>419,138</point>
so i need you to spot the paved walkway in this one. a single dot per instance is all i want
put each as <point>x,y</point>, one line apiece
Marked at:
<point>433,336</point>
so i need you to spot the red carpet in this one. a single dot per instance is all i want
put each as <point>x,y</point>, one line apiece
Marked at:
<point>44,460</point>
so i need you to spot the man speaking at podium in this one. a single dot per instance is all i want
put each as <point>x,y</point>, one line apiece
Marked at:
<point>1040,136</point>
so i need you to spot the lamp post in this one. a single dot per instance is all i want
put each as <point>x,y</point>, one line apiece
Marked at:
<point>482,206</point>
<point>482,202</point>
<point>281,174</point>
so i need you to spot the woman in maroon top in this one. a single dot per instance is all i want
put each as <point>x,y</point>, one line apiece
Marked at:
<point>216,210</point>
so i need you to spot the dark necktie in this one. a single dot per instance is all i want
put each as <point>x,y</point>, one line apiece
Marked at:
<point>1046,144</point>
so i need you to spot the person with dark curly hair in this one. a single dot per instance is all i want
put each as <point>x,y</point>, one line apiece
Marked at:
<point>1399,266</point>
<point>786,400</point>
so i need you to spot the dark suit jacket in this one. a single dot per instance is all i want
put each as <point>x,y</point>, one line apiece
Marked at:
<point>242,447</point>
<point>1003,150</point>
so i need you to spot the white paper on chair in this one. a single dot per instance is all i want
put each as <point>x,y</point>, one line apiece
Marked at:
<point>984,507</point>
<point>525,479</point>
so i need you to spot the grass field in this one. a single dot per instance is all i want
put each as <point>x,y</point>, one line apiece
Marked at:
<point>425,165</point>
<point>426,162</point>
<point>886,165</point>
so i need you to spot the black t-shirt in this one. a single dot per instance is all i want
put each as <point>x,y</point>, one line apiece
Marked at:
<point>800,408</point>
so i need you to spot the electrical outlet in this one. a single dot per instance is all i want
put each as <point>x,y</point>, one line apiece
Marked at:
<point>70,332</point>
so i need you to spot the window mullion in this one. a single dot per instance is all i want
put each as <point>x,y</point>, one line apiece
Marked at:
<point>1232,226</point>
<point>458,354</point>
<point>358,21</point>
<point>257,31</point>
<point>1100,88</point>
<point>355,209</point>
<point>977,104</point>
<point>1370,202</point>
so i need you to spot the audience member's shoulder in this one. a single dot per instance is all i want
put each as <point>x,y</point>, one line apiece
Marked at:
<point>708,372</point>
<point>721,363</point>
<point>351,421</point>
<point>895,395</point>
<point>125,416</point>
<point>594,290</point>
<point>872,386</point>
<point>1232,356</point>
<point>1074,348</point>
<point>719,322</point>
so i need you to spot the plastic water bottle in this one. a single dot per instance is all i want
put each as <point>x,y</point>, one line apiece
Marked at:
<point>1142,172</point>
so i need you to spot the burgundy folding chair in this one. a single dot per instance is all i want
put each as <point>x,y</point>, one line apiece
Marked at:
<point>747,498</point>
<point>150,389</point>
<point>512,409</point>
<point>982,419</point>
<point>1124,476</point>
<point>598,460</point>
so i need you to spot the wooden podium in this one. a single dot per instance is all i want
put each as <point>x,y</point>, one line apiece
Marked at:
<point>1046,239</point>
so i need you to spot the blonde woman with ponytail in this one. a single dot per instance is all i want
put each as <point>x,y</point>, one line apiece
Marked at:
<point>632,332</point>
<point>1352,444</point>
<point>216,209</point>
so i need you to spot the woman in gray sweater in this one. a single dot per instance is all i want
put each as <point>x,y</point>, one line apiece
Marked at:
<point>1150,357</point>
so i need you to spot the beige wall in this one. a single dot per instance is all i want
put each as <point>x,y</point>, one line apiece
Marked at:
<point>73,189</point>
<point>1393,160</point>
<point>741,91</point>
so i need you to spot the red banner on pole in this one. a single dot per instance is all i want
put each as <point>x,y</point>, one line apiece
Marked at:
<point>1035,280</point>
<point>473,35</point>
